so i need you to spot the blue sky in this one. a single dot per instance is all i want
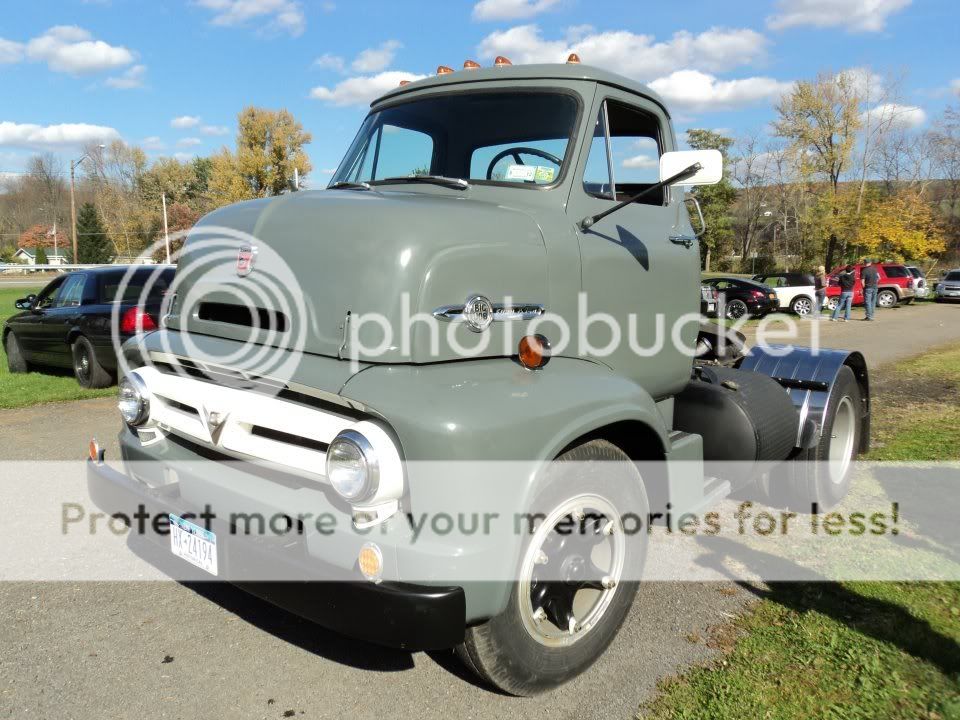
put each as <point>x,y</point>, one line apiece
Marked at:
<point>171,76</point>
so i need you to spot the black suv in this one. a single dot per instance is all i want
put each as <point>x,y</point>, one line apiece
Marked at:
<point>68,324</point>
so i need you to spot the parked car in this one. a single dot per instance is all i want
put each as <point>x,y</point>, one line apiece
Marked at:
<point>948,289</point>
<point>69,324</point>
<point>795,291</point>
<point>896,285</point>
<point>919,281</point>
<point>709,297</point>
<point>741,297</point>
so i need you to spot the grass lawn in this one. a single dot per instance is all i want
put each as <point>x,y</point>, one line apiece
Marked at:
<point>33,388</point>
<point>848,650</point>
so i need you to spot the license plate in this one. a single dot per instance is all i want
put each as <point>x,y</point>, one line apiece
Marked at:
<point>953,293</point>
<point>194,544</point>
<point>711,307</point>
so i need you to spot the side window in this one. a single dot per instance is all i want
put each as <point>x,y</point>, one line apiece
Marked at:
<point>48,295</point>
<point>597,177</point>
<point>630,151</point>
<point>72,291</point>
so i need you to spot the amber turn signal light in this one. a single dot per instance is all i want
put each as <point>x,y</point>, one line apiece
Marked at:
<point>471,65</point>
<point>534,351</point>
<point>94,450</point>
<point>404,82</point>
<point>574,59</point>
<point>501,61</point>
<point>444,70</point>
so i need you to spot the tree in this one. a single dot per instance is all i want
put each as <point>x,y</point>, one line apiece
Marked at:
<point>901,227</point>
<point>821,119</point>
<point>755,211</point>
<point>93,245</point>
<point>269,149</point>
<point>41,258</point>
<point>715,200</point>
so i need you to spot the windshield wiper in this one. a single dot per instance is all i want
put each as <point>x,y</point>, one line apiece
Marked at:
<point>346,185</point>
<point>454,183</point>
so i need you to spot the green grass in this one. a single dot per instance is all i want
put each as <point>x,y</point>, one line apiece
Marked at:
<point>854,649</point>
<point>34,388</point>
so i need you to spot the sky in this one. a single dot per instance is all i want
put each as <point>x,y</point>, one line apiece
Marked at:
<point>171,76</point>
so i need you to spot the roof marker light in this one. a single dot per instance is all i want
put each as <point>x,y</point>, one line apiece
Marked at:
<point>501,61</point>
<point>471,65</point>
<point>444,70</point>
<point>574,59</point>
<point>404,82</point>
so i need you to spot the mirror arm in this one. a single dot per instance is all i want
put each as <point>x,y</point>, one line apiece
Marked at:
<point>591,220</point>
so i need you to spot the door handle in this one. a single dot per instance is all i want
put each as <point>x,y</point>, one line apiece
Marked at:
<point>685,240</point>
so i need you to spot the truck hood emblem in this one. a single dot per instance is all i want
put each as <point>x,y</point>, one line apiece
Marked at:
<point>215,422</point>
<point>245,257</point>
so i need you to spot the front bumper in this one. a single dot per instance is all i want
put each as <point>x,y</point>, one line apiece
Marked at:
<point>395,614</point>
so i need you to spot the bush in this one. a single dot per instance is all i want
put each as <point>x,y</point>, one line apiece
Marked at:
<point>42,256</point>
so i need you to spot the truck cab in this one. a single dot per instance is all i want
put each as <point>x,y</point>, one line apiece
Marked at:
<point>490,311</point>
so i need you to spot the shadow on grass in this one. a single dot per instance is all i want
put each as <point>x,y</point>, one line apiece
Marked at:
<point>878,619</point>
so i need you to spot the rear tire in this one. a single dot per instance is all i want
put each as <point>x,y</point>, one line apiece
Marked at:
<point>523,655</point>
<point>887,299</point>
<point>831,303</point>
<point>16,363</point>
<point>736,309</point>
<point>86,368</point>
<point>821,475</point>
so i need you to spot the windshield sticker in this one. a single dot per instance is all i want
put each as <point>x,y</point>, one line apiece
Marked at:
<point>527,173</point>
<point>544,174</point>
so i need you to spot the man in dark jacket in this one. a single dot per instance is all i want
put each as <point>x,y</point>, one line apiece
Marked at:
<point>870,278</point>
<point>846,279</point>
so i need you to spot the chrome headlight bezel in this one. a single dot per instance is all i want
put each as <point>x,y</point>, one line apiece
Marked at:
<point>133,383</point>
<point>371,464</point>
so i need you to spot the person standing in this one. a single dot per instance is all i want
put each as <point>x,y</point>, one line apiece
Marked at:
<point>846,279</point>
<point>871,279</point>
<point>820,285</point>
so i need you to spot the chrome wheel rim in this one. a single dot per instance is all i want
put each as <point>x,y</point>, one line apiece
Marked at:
<point>886,299</point>
<point>590,560</point>
<point>83,364</point>
<point>802,307</point>
<point>842,435</point>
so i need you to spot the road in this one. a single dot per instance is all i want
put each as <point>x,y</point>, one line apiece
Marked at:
<point>138,649</point>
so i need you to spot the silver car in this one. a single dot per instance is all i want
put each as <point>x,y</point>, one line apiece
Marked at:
<point>948,289</point>
<point>919,282</point>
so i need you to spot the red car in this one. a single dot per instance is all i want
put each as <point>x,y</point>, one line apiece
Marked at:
<point>895,286</point>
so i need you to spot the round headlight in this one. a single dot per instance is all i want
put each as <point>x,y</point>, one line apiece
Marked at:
<point>352,466</point>
<point>133,401</point>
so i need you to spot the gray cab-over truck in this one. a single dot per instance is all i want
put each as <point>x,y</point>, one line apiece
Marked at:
<point>486,198</point>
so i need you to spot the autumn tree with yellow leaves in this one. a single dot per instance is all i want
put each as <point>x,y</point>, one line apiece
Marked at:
<point>900,227</point>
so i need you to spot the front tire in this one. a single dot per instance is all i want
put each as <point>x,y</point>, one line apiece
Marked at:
<point>16,363</point>
<point>832,303</point>
<point>526,650</point>
<point>86,368</point>
<point>802,306</point>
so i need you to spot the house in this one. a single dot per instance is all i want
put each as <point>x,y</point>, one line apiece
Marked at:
<point>28,256</point>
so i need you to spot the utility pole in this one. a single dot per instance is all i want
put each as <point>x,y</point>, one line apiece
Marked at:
<point>74,164</point>
<point>166,234</point>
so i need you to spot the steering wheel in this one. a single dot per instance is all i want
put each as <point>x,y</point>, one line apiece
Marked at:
<point>516,152</point>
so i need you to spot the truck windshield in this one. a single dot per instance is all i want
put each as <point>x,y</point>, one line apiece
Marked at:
<point>502,137</point>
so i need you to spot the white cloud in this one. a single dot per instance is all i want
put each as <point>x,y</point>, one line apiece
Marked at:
<point>71,49</point>
<point>328,61</point>
<point>152,143</point>
<point>695,91</point>
<point>27,135</point>
<point>637,56</point>
<point>215,130</point>
<point>185,121</point>
<point>894,115</point>
<point>376,59</point>
<point>188,142</point>
<point>854,15</point>
<point>955,86</point>
<point>10,52</point>
<point>510,9</point>
<point>327,171</point>
<point>184,156</point>
<point>132,78</point>
<point>641,161</point>
<point>286,15</point>
<point>868,83</point>
<point>362,90</point>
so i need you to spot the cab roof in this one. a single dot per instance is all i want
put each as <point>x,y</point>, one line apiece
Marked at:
<point>553,71</point>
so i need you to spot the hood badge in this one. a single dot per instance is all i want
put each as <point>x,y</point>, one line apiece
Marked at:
<point>245,257</point>
<point>501,312</point>
<point>215,422</point>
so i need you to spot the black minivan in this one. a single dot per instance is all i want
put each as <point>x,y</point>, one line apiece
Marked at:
<point>69,324</point>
